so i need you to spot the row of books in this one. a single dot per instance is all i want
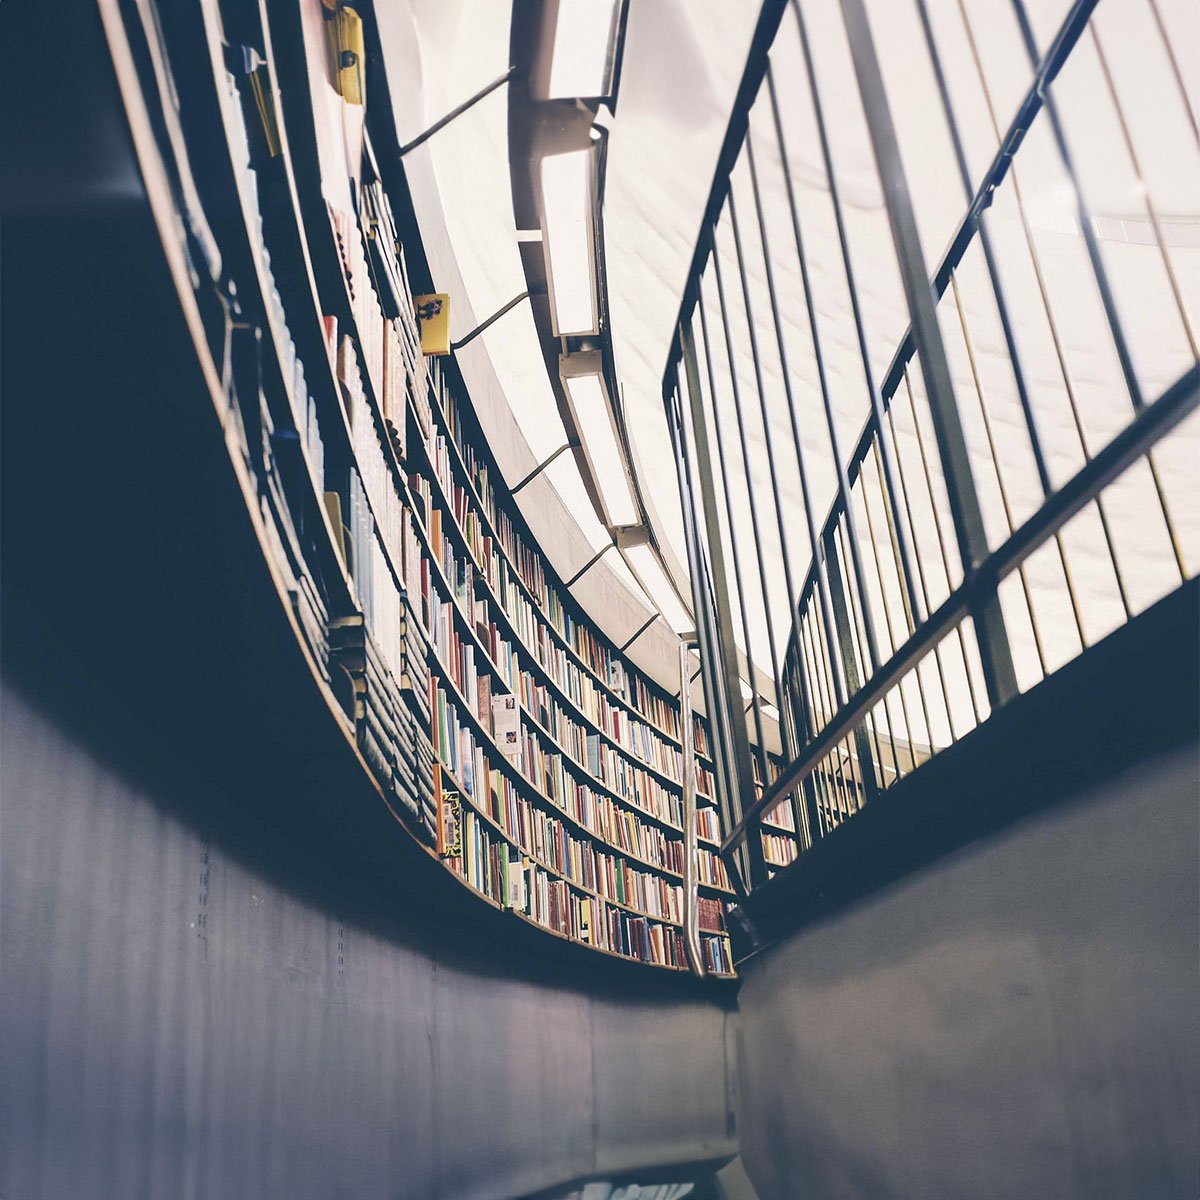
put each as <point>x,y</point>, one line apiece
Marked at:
<point>364,304</point>
<point>537,773</point>
<point>369,454</point>
<point>375,585</point>
<point>598,755</point>
<point>718,958</point>
<point>710,915</point>
<point>778,849</point>
<point>711,870</point>
<point>303,406</point>
<point>781,817</point>
<point>708,824</point>
<point>380,655</point>
<point>405,377</point>
<point>381,305</point>
<point>390,738</point>
<point>293,555</point>
<point>511,880</point>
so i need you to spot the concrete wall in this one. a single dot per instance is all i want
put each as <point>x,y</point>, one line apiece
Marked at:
<point>175,1024</point>
<point>1020,1020</point>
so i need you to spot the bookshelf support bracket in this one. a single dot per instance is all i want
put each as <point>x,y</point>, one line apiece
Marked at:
<point>638,633</point>
<point>457,112</point>
<point>483,325</point>
<point>567,445</point>
<point>587,566</point>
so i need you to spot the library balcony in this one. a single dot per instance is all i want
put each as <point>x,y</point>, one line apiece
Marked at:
<point>599,599</point>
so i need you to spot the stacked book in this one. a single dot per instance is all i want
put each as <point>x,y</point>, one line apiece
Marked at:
<point>414,772</point>
<point>279,526</point>
<point>403,364</point>
<point>387,732</point>
<point>710,915</point>
<point>717,957</point>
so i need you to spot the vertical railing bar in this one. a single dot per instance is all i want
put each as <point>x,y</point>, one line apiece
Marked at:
<point>891,518</point>
<point>846,789</point>
<point>908,725</point>
<point>856,765</point>
<point>772,466</point>
<point>802,664</point>
<point>744,445</point>
<point>807,643</point>
<point>822,638</point>
<point>733,541</point>
<point>873,393</point>
<point>995,653</point>
<point>819,362</point>
<point>826,641</point>
<point>1168,266</point>
<point>937,652</point>
<point>813,638</point>
<point>691,894</point>
<point>1183,95</point>
<point>1083,213</point>
<point>729,764</point>
<point>887,516</point>
<point>937,523</point>
<point>1099,273</point>
<point>991,441</point>
<point>1047,307</point>
<point>817,681</point>
<point>809,805</point>
<point>1127,136</point>
<point>728,648</point>
<point>841,537</point>
<point>842,627</point>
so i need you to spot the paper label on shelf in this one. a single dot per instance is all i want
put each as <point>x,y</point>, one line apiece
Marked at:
<point>433,313</point>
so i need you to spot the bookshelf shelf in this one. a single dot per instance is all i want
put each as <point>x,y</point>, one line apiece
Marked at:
<point>409,580</point>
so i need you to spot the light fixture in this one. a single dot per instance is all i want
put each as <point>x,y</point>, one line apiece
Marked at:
<point>570,241</point>
<point>593,417</point>
<point>585,36</point>
<point>658,587</point>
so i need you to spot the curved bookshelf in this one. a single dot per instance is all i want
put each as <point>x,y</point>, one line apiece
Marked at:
<point>407,575</point>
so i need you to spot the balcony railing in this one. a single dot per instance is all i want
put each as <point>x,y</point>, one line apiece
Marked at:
<point>1024,480</point>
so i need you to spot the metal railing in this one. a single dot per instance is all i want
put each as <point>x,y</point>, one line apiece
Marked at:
<point>1013,495</point>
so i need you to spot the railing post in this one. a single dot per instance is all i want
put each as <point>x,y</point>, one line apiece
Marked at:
<point>994,651</point>
<point>845,637</point>
<point>720,655</point>
<point>691,894</point>
<point>706,639</point>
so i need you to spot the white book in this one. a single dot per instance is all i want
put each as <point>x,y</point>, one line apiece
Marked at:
<point>506,726</point>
